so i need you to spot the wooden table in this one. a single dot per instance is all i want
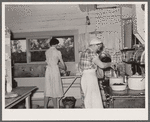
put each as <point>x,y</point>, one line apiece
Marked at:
<point>23,94</point>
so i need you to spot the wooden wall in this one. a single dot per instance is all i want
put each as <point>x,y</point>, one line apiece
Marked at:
<point>41,21</point>
<point>33,18</point>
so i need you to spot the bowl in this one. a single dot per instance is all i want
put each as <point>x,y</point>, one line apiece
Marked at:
<point>136,83</point>
<point>113,80</point>
<point>119,86</point>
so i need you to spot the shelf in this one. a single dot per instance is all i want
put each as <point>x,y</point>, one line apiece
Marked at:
<point>134,63</point>
<point>124,50</point>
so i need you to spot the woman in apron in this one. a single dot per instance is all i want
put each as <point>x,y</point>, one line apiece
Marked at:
<point>89,61</point>
<point>53,83</point>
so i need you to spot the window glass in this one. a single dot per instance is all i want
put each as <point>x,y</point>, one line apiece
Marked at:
<point>18,49</point>
<point>38,56</point>
<point>66,46</point>
<point>39,46</point>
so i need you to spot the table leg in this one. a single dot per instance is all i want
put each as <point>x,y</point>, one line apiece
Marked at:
<point>27,104</point>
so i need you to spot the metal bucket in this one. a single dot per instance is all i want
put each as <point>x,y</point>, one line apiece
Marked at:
<point>69,102</point>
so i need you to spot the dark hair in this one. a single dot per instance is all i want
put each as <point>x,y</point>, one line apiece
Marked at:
<point>53,41</point>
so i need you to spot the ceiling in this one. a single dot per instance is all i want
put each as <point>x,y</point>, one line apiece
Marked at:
<point>19,15</point>
<point>40,10</point>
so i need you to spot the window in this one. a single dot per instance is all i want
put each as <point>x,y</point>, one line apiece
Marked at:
<point>18,49</point>
<point>37,48</point>
<point>66,46</point>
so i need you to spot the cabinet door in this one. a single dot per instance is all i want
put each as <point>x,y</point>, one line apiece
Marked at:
<point>128,103</point>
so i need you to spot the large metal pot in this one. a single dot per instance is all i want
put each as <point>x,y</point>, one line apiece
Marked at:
<point>136,82</point>
<point>105,57</point>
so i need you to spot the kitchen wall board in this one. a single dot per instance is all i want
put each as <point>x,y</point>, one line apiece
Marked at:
<point>111,39</point>
<point>8,68</point>
<point>106,19</point>
<point>126,12</point>
<point>30,18</point>
<point>83,42</point>
<point>29,70</point>
<point>113,44</point>
<point>36,69</point>
<point>33,18</point>
<point>42,22</point>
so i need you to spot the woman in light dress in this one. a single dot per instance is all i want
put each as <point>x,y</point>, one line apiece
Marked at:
<point>53,83</point>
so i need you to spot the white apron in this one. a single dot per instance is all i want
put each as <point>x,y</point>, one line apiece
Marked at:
<point>90,88</point>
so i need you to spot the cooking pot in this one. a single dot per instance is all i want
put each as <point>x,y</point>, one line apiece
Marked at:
<point>136,82</point>
<point>104,57</point>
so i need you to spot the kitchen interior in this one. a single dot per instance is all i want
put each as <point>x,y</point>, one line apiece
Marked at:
<point>28,29</point>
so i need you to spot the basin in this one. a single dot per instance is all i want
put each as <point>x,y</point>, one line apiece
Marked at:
<point>136,82</point>
<point>113,80</point>
<point>119,86</point>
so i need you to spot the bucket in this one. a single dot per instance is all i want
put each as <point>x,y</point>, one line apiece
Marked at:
<point>69,102</point>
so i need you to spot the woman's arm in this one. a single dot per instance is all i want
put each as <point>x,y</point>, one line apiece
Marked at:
<point>64,65</point>
<point>62,62</point>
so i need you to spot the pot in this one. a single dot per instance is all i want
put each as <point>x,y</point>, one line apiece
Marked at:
<point>136,82</point>
<point>105,57</point>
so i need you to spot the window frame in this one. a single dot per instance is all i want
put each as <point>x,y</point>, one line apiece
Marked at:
<point>29,48</point>
<point>20,39</point>
<point>48,34</point>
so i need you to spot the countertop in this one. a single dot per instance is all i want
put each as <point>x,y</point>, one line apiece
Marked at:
<point>125,93</point>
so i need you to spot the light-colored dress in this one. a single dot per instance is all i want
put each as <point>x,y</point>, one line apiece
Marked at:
<point>53,83</point>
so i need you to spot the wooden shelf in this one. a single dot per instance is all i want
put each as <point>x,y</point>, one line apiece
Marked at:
<point>124,50</point>
<point>134,63</point>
